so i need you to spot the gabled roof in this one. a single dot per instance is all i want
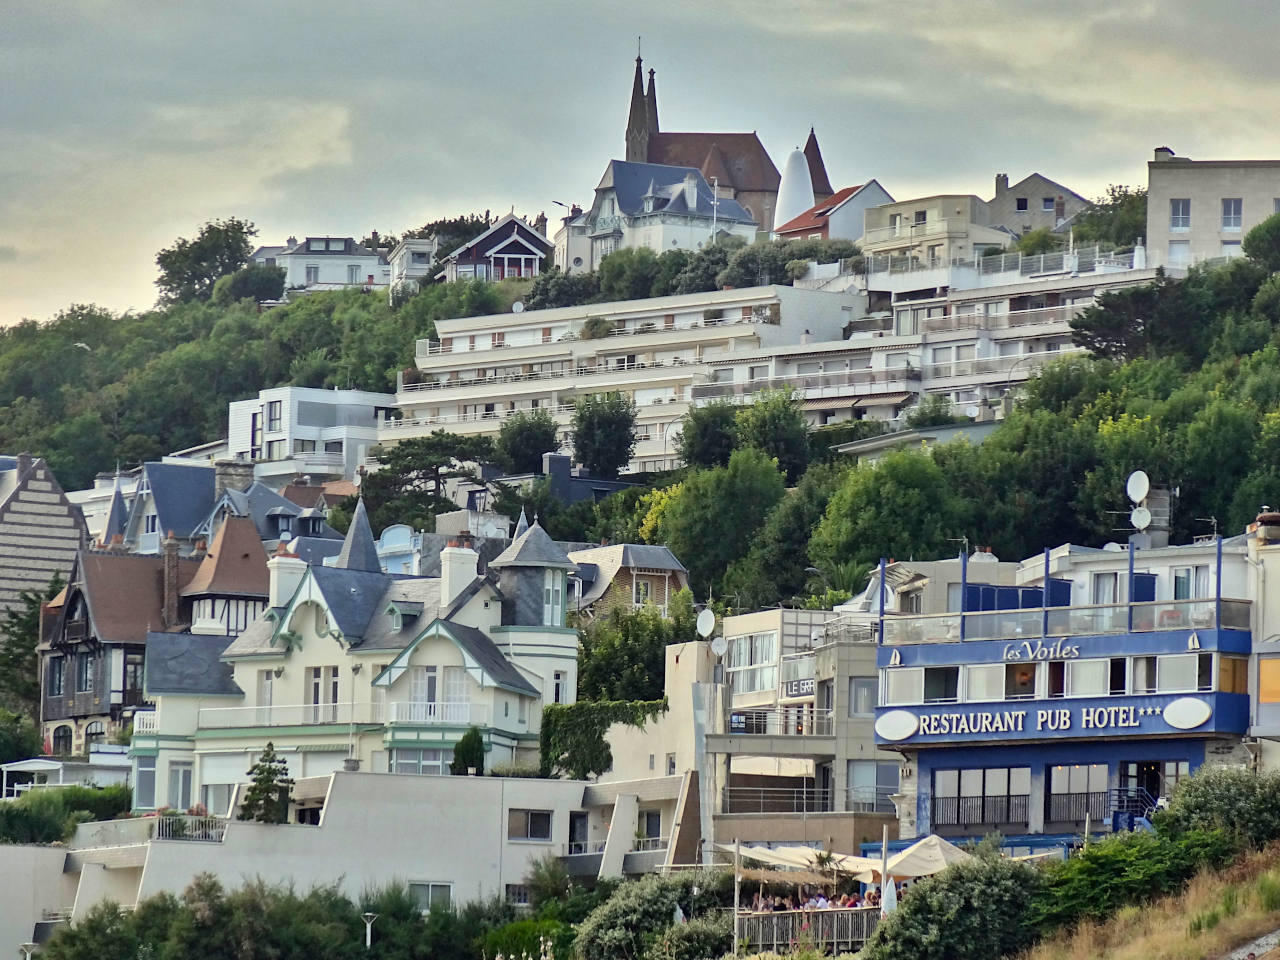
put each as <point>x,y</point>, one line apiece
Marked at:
<point>817,215</point>
<point>191,664</point>
<point>259,502</point>
<point>533,548</point>
<point>599,565</point>
<point>1053,183</point>
<point>631,182</point>
<point>489,237</point>
<point>117,517</point>
<point>125,592</point>
<point>478,650</point>
<point>235,566</point>
<point>745,157</point>
<point>183,495</point>
<point>359,549</point>
<point>319,494</point>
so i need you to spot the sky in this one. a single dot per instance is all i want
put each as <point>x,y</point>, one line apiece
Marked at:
<point>127,124</point>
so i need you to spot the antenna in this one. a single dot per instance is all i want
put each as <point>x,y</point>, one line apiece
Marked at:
<point>1212,520</point>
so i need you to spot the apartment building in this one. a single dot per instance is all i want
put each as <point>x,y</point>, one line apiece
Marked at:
<point>484,369</point>
<point>288,432</point>
<point>934,229</point>
<point>1201,209</point>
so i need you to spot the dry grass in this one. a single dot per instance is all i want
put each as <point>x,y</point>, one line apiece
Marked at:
<point>1216,913</point>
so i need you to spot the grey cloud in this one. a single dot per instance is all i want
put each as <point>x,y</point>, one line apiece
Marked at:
<point>8,254</point>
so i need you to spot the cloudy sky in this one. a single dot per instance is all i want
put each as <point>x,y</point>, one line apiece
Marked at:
<point>124,125</point>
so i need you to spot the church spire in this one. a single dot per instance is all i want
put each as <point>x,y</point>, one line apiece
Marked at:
<point>637,119</point>
<point>651,105</point>
<point>817,169</point>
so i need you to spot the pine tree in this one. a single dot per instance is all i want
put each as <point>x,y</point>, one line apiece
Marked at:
<point>267,799</point>
<point>468,753</point>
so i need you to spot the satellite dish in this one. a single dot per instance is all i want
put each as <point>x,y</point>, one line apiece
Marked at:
<point>1113,547</point>
<point>1138,486</point>
<point>517,307</point>
<point>1140,517</point>
<point>706,623</point>
<point>719,645</point>
<point>971,411</point>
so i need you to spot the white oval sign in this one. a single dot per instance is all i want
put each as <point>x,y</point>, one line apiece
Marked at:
<point>1187,713</point>
<point>897,724</point>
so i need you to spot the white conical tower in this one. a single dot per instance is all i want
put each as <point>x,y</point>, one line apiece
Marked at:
<point>795,192</point>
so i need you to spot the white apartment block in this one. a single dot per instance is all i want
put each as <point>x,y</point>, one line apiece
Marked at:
<point>304,431</point>
<point>484,369</point>
<point>1201,209</point>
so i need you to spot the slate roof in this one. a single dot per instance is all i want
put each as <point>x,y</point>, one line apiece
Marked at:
<point>260,502</point>
<point>534,548</point>
<point>314,550</point>
<point>744,155</point>
<point>606,562</point>
<point>378,633</point>
<point>183,495</point>
<point>632,182</point>
<point>255,640</point>
<point>235,566</point>
<point>483,240</point>
<point>117,517</point>
<point>125,592</point>
<point>359,550</point>
<point>353,596</point>
<point>186,663</point>
<point>478,645</point>
<point>351,249</point>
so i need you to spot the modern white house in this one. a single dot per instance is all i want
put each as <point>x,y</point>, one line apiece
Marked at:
<point>484,369</point>
<point>286,432</point>
<point>837,217</point>
<point>327,263</point>
<point>410,260</point>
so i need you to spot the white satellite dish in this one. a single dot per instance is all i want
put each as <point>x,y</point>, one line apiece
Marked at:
<point>517,307</point>
<point>1140,517</point>
<point>971,411</point>
<point>1114,547</point>
<point>706,623</point>
<point>1138,486</point>
<point>719,645</point>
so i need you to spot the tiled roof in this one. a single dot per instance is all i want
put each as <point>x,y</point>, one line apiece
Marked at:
<point>125,592</point>
<point>816,216</point>
<point>236,564</point>
<point>744,155</point>
<point>632,182</point>
<point>185,663</point>
<point>605,562</point>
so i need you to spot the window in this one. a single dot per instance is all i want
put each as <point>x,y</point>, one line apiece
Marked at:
<point>313,273</point>
<point>1232,249</point>
<point>1179,253</point>
<point>1177,673</point>
<point>150,523</point>
<point>553,599</point>
<point>650,824</point>
<point>275,449</point>
<point>322,688</point>
<point>751,662</point>
<point>1087,678</point>
<point>941,684</point>
<point>95,732</point>
<point>84,673</point>
<point>1180,214</point>
<point>1119,677</point>
<point>1105,587</point>
<point>1019,681</point>
<point>557,687</point>
<point>62,740</point>
<point>333,446</point>
<point>989,795</point>
<point>1275,205</point>
<point>144,781</point>
<point>1233,674</point>
<point>862,696</point>
<point>179,784</point>
<point>522,704</point>
<point>529,825</point>
<point>1268,680</point>
<point>871,785</point>
<point>1020,204</point>
<point>517,894</point>
<point>671,764</point>
<point>904,686</point>
<point>353,273</point>
<point>425,762</point>
<point>1231,213</point>
<point>304,446</point>
<point>1191,583</point>
<point>274,416</point>
<point>432,896</point>
<point>641,592</point>
<point>57,674</point>
<point>422,684</point>
<point>1144,675</point>
<point>984,682</point>
<point>1046,204</point>
<point>1077,790</point>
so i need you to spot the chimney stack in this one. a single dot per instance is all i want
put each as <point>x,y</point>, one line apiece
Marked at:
<point>285,571</point>
<point>691,191</point>
<point>24,464</point>
<point>169,565</point>
<point>1002,183</point>
<point>458,565</point>
<point>231,475</point>
<point>1162,154</point>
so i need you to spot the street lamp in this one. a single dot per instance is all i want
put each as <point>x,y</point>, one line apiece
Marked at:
<point>368,919</point>
<point>27,949</point>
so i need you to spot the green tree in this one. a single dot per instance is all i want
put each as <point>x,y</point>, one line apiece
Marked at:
<point>1262,244</point>
<point>670,264</point>
<point>19,737</point>
<point>775,424</point>
<point>267,799</point>
<point>410,486</point>
<point>19,636</point>
<point>707,435</point>
<point>699,274</point>
<point>711,521</point>
<point>1117,220</point>
<point>933,411</point>
<point>555,288</point>
<point>523,438</point>
<point>468,754</point>
<point>604,432</point>
<point>255,282</point>
<point>1038,241</point>
<point>622,656</point>
<point>190,268</point>
<point>627,274</point>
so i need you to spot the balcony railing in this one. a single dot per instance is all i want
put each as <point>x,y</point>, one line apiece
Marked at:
<point>812,385</point>
<point>980,811</point>
<point>781,721</point>
<point>206,829</point>
<point>1022,363</point>
<point>650,844</point>
<point>577,848</point>
<point>567,371</point>
<point>870,799</point>
<point>289,715</point>
<point>836,931</point>
<point>1088,260</point>
<point>1074,807</point>
<point>437,712</point>
<point>775,800</point>
<point>912,231</point>
<point>478,416</point>
<point>1011,320</point>
<point>144,721</point>
<point>1068,621</point>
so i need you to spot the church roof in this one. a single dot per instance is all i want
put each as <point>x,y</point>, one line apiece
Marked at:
<point>817,169</point>
<point>746,161</point>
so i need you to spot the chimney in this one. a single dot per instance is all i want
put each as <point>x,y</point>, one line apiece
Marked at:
<point>284,571</point>
<point>691,190</point>
<point>169,566</point>
<point>540,224</point>
<point>231,475</point>
<point>292,242</point>
<point>1002,183</point>
<point>1162,154</point>
<point>373,236</point>
<point>24,464</point>
<point>458,564</point>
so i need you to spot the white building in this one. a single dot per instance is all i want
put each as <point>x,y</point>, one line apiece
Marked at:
<point>837,217</point>
<point>327,263</point>
<point>484,369</point>
<point>1202,209</point>
<point>305,431</point>
<point>410,260</point>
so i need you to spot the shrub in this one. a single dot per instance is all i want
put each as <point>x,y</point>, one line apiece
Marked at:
<point>637,912</point>
<point>709,936</point>
<point>50,815</point>
<point>976,910</point>
<point>1227,798</point>
<point>468,754</point>
<point>521,938</point>
<point>547,880</point>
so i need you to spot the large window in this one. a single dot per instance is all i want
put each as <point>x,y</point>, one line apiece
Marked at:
<point>1087,678</point>
<point>1233,674</point>
<point>1076,790</point>
<point>904,686</point>
<point>941,684</point>
<point>988,795</point>
<point>57,674</point>
<point>1180,214</point>
<point>62,740</point>
<point>95,732</point>
<point>425,762</point>
<point>1179,253</point>
<point>179,784</point>
<point>1019,681</point>
<point>84,673</point>
<point>529,825</point>
<point>862,696</point>
<point>553,599</point>
<point>985,682</point>
<point>274,417</point>
<point>1191,583</point>
<point>871,785</point>
<point>432,896</point>
<point>1232,213</point>
<point>144,786</point>
<point>216,798</point>
<point>751,662</point>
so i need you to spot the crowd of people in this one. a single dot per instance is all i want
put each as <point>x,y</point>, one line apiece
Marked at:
<point>819,900</point>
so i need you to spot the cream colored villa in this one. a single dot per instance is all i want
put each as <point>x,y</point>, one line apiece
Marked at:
<point>354,669</point>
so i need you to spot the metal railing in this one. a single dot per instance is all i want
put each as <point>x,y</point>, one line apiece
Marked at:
<point>144,721</point>
<point>434,712</point>
<point>297,714</point>
<point>870,799</point>
<point>1009,320</point>
<point>809,385</point>
<point>781,721</point>
<point>474,417</point>
<point>577,848</point>
<point>1086,260</point>
<point>985,366</point>
<point>1075,806</point>
<point>1095,620</point>
<point>835,930</point>
<point>203,829</point>
<point>974,811</point>
<point>848,629</point>
<point>650,844</point>
<point>567,370</point>
<point>775,800</point>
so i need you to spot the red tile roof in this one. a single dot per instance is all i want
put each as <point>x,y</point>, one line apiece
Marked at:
<point>816,216</point>
<point>744,157</point>
<point>236,564</point>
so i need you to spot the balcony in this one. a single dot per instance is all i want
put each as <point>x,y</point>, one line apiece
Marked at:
<point>430,713</point>
<point>796,676</point>
<point>980,811</point>
<point>781,721</point>
<point>1011,320</point>
<point>909,233</point>
<point>775,800</point>
<point>144,722</point>
<point>998,368</point>
<point>1075,807</point>
<point>1081,621</point>
<point>289,715</point>
<point>648,855</point>
<point>489,420</point>
<point>870,799</point>
<point>1088,260</point>
<point>627,371</point>
<point>197,829</point>
<point>816,386</point>
<point>838,931</point>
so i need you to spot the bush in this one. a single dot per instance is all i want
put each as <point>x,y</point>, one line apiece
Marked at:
<point>521,938</point>
<point>628,921</point>
<point>976,910</point>
<point>710,936</point>
<point>1227,798</point>
<point>49,815</point>
<point>468,753</point>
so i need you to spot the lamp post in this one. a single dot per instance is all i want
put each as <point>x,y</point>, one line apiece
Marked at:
<point>368,919</point>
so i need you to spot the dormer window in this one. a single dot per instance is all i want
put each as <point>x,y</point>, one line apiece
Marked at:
<point>648,204</point>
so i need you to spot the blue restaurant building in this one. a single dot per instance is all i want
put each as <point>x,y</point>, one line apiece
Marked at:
<point>1073,696</point>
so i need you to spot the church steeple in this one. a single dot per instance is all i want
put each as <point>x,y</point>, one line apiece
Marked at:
<point>638,120</point>
<point>651,104</point>
<point>817,169</point>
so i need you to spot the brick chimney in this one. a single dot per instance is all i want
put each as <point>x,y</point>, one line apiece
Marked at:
<point>169,612</point>
<point>231,475</point>
<point>1002,183</point>
<point>24,464</point>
